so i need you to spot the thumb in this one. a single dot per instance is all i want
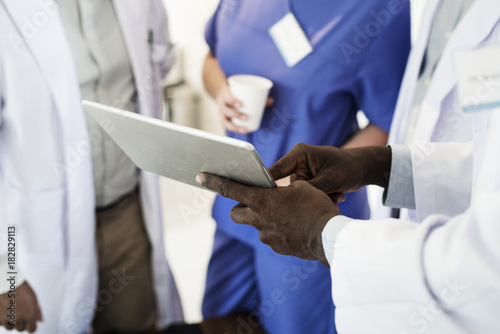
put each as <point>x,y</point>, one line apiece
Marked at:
<point>230,189</point>
<point>38,311</point>
<point>288,164</point>
<point>324,183</point>
<point>284,167</point>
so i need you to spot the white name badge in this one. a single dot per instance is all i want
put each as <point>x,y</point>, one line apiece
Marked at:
<point>479,78</point>
<point>290,40</point>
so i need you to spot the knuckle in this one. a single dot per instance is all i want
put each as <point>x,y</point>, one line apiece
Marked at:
<point>276,244</point>
<point>224,188</point>
<point>314,183</point>
<point>301,183</point>
<point>260,202</point>
<point>303,147</point>
<point>235,215</point>
<point>264,238</point>
<point>300,146</point>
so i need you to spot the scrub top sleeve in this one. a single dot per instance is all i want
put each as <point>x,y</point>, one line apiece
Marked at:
<point>382,69</point>
<point>210,31</point>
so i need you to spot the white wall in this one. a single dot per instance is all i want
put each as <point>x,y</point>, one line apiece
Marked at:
<point>186,210</point>
<point>187,27</point>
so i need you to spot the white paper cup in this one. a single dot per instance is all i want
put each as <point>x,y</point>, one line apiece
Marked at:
<point>252,91</point>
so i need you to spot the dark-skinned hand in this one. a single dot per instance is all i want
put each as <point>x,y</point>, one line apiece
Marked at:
<point>27,309</point>
<point>289,219</point>
<point>334,170</point>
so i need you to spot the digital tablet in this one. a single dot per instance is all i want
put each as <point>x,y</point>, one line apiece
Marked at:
<point>178,152</point>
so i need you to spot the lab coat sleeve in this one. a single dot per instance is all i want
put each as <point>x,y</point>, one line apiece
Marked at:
<point>331,232</point>
<point>162,49</point>
<point>400,191</point>
<point>442,178</point>
<point>451,265</point>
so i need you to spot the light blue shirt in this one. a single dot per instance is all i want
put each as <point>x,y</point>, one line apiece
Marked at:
<point>105,75</point>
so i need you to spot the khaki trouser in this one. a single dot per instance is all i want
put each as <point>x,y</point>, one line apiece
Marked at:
<point>126,300</point>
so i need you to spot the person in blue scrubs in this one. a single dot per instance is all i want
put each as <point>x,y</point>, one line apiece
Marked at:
<point>360,49</point>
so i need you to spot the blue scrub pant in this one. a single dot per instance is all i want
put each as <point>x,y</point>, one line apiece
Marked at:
<point>283,293</point>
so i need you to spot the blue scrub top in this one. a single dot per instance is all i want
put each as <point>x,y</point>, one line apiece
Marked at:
<point>360,53</point>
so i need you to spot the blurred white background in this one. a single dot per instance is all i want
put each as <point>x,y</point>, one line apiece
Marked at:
<point>189,227</point>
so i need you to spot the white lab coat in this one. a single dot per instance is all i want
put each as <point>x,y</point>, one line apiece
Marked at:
<point>46,177</point>
<point>439,276</point>
<point>441,118</point>
<point>442,275</point>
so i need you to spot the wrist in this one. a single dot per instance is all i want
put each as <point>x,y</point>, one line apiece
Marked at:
<point>317,249</point>
<point>377,165</point>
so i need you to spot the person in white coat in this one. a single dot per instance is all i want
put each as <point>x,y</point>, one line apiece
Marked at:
<point>428,108</point>
<point>390,276</point>
<point>48,189</point>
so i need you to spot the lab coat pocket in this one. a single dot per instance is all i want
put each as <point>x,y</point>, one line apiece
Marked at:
<point>162,58</point>
<point>39,221</point>
<point>159,53</point>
